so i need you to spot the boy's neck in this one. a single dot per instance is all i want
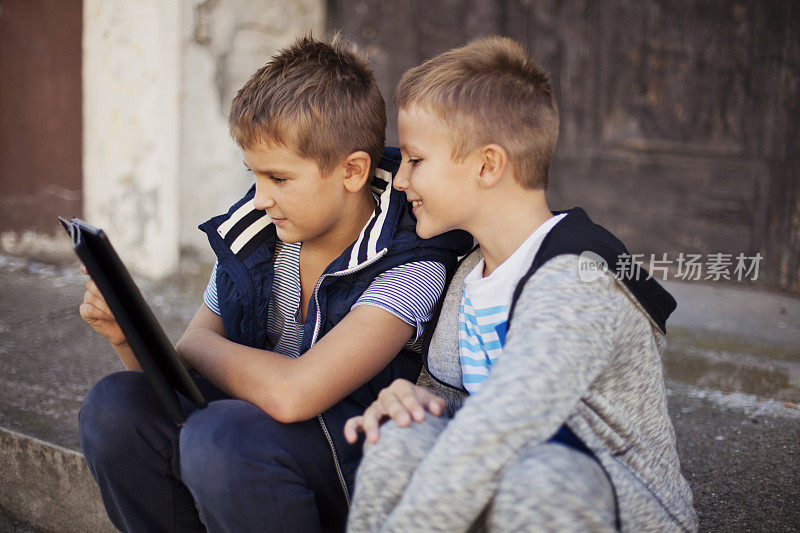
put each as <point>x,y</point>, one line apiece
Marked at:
<point>505,223</point>
<point>328,247</point>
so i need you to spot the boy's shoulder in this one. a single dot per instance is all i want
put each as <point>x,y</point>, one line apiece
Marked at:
<point>598,248</point>
<point>576,234</point>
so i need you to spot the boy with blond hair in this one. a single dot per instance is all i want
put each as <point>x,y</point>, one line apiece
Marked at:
<point>317,301</point>
<point>549,411</point>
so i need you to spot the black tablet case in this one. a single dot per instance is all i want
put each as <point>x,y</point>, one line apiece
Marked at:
<point>144,334</point>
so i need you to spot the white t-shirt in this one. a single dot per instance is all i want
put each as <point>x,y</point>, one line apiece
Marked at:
<point>485,303</point>
<point>408,291</point>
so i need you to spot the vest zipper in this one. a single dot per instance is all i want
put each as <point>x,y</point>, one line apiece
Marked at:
<point>314,341</point>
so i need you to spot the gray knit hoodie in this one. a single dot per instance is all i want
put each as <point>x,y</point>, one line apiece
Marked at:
<point>582,353</point>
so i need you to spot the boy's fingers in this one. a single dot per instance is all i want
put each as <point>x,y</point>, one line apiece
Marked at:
<point>351,428</point>
<point>371,416</point>
<point>398,411</point>
<point>404,391</point>
<point>412,404</point>
<point>99,304</point>
<point>94,296</point>
<point>388,398</point>
<point>90,312</point>
<point>371,421</point>
<point>96,318</point>
<point>428,401</point>
<point>89,297</point>
<point>87,311</point>
<point>91,286</point>
<point>434,404</point>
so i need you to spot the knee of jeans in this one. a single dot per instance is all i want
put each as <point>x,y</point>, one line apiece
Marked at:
<point>212,444</point>
<point>112,411</point>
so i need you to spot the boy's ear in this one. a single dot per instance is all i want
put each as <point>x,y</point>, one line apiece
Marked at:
<point>356,171</point>
<point>494,160</point>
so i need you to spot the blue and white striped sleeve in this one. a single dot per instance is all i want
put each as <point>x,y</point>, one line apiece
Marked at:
<point>408,291</point>
<point>210,296</point>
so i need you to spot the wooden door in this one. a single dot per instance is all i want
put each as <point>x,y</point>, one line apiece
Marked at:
<point>40,114</point>
<point>679,120</point>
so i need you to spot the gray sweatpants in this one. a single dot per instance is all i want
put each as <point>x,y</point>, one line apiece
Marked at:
<point>549,487</point>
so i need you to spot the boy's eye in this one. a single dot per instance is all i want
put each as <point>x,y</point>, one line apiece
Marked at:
<point>277,180</point>
<point>414,161</point>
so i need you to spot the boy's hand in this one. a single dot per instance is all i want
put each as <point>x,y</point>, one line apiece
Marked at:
<point>95,312</point>
<point>401,401</point>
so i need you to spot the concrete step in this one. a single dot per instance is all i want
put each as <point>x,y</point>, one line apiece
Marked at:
<point>48,486</point>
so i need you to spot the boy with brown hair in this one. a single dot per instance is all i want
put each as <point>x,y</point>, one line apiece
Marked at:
<point>549,372</point>
<point>317,301</point>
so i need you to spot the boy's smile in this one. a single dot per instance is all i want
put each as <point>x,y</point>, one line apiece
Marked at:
<point>439,189</point>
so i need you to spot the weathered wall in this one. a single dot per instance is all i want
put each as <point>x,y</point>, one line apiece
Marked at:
<point>158,81</point>
<point>131,73</point>
<point>679,119</point>
<point>224,43</point>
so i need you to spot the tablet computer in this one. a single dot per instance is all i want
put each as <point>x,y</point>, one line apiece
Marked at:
<point>144,334</point>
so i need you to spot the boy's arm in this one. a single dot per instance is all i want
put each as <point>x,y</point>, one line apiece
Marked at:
<point>288,389</point>
<point>560,340</point>
<point>95,311</point>
<point>296,389</point>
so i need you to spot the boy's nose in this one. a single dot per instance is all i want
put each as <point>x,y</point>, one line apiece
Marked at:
<point>400,181</point>
<point>263,200</point>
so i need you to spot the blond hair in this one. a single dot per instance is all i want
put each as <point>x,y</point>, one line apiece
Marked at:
<point>490,91</point>
<point>319,99</point>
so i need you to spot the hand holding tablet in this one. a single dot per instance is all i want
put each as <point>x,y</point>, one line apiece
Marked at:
<point>113,291</point>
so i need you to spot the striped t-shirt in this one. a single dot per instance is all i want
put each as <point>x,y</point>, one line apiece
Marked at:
<point>485,302</point>
<point>407,291</point>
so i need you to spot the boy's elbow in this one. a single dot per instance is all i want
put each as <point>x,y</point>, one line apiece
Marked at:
<point>286,407</point>
<point>291,414</point>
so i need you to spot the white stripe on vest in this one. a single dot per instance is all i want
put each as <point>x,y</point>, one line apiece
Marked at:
<point>238,215</point>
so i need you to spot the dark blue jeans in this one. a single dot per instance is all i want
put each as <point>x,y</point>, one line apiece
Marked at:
<point>246,471</point>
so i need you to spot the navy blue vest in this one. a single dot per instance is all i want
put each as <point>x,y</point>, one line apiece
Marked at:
<point>244,242</point>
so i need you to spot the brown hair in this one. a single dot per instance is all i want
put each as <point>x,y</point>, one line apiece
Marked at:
<point>319,99</point>
<point>490,91</point>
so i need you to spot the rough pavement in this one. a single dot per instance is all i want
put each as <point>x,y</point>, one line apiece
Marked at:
<point>732,368</point>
